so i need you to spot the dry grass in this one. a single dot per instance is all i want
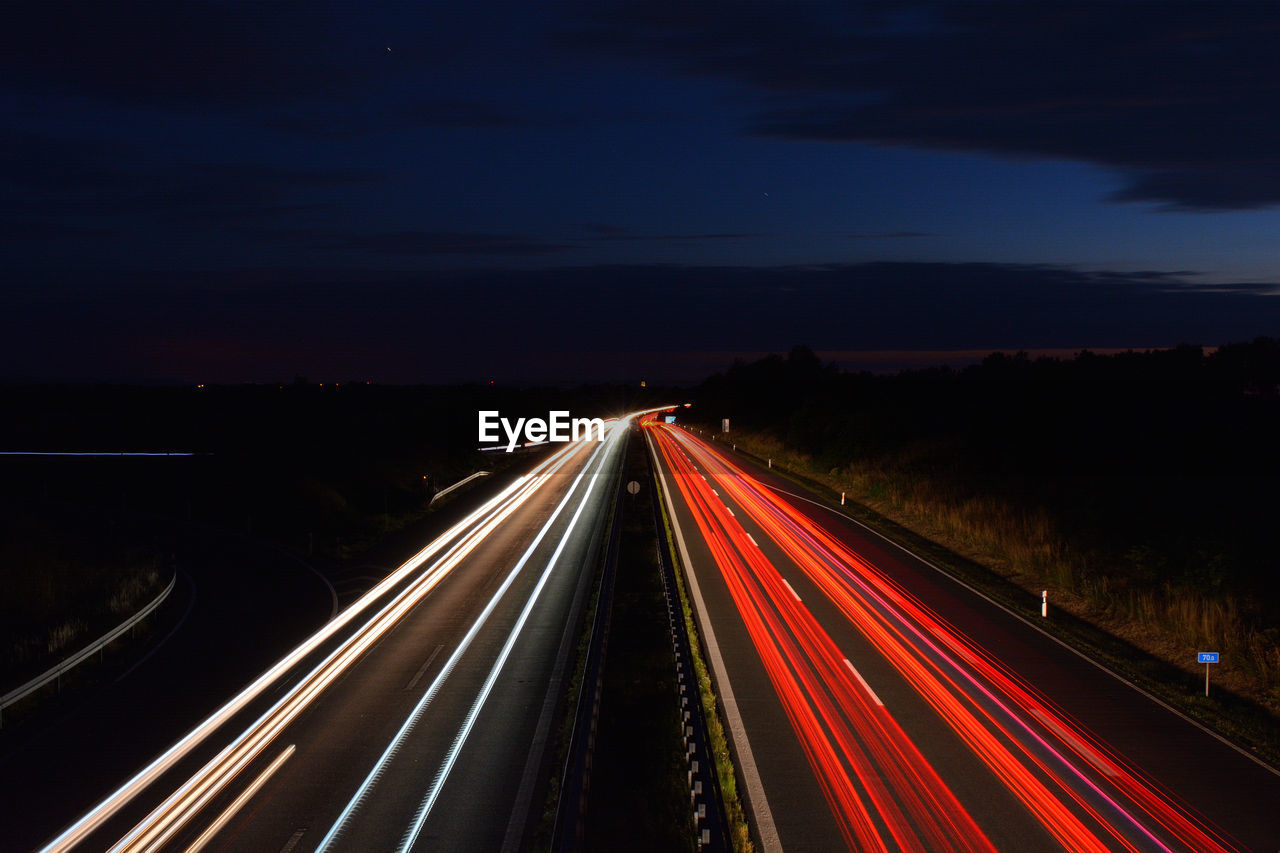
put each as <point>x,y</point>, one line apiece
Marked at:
<point>62,636</point>
<point>739,830</point>
<point>1024,544</point>
<point>64,582</point>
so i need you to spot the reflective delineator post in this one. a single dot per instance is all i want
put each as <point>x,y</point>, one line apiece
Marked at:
<point>1044,602</point>
<point>770,461</point>
<point>842,499</point>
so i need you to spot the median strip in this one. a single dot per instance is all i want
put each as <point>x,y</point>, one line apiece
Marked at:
<point>759,804</point>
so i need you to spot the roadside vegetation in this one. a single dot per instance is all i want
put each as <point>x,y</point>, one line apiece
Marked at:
<point>66,578</point>
<point>735,814</point>
<point>325,471</point>
<point>1138,488</point>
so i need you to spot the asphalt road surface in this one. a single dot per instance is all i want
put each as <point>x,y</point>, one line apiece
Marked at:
<point>876,704</point>
<point>416,719</point>
<point>237,606</point>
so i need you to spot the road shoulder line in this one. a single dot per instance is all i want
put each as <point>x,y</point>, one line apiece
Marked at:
<point>1117,676</point>
<point>759,804</point>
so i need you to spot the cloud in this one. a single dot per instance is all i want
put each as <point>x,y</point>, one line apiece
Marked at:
<point>251,215</point>
<point>18,232</point>
<point>450,243</point>
<point>604,229</point>
<point>606,232</point>
<point>891,235</point>
<point>55,177</point>
<point>623,237</point>
<point>357,119</point>
<point>427,243</point>
<point>184,54</point>
<point>373,321</point>
<point>1178,97</point>
<point>46,163</point>
<point>256,183</point>
<point>1207,186</point>
<point>422,243</point>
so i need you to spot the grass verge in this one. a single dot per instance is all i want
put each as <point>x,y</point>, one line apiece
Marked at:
<point>739,829</point>
<point>67,576</point>
<point>1143,655</point>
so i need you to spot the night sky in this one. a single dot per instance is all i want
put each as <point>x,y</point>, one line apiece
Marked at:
<point>528,192</point>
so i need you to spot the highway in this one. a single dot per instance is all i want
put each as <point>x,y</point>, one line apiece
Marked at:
<point>875,704</point>
<point>204,644</point>
<point>418,718</point>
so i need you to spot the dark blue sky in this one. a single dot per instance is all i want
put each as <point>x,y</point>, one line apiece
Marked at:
<point>430,192</point>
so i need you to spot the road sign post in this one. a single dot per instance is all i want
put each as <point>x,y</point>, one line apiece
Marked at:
<point>1206,658</point>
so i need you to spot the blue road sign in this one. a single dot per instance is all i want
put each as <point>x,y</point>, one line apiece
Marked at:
<point>1207,657</point>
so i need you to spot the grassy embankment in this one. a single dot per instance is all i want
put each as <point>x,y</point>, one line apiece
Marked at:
<point>1024,544</point>
<point>325,471</point>
<point>65,579</point>
<point>739,830</point>
<point>1137,489</point>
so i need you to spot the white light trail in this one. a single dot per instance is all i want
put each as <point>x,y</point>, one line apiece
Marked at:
<point>415,715</point>
<point>239,802</point>
<point>184,803</point>
<point>497,507</point>
<point>460,739</point>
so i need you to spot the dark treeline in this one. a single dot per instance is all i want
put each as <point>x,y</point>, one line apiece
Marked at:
<point>1154,468</point>
<point>294,458</point>
<point>325,471</point>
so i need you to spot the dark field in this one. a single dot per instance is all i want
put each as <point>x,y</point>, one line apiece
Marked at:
<point>1139,487</point>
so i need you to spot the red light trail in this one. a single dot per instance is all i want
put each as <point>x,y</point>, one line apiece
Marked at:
<point>882,791</point>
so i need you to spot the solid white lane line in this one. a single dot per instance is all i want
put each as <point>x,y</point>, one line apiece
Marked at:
<point>1032,624</point>
<point>792,590</point>
<point>442,775</point>
<point>103,811</point>
<point>239,802</point>
<point>411,721</point>
<point>169,817</point>
<point>756,799</point>
<point>863,682</point>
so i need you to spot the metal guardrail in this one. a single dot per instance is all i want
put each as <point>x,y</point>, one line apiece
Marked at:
<point>84,654</point>
<point>438,495</point>
<point>706,800</point>
<point>570,824</point>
